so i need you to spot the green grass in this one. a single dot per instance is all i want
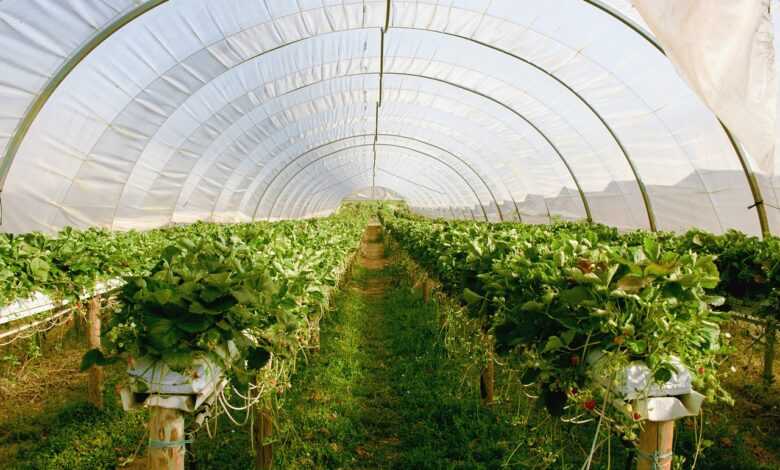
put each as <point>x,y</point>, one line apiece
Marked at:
<point>76,436</point>
<point>382,393</point>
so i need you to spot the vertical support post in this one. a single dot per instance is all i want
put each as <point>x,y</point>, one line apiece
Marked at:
<point>769,352</point>
<point>655,446</point>
<point>264,457</point>
<point>95,384</point>
<point>166,439</point>
<point>487,380</point>
<point>427,286</point>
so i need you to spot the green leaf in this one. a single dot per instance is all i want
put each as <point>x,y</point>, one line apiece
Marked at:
<point>651,248</point>
<point>471,297</point>
<point>574,296</point>
<point>532,306</point>
<point>568,336</point>
<point>553,344</point>
<point>40,269</point>
<point>170,251</point>
<point>631,283</point>
<point>194,323</point>
<point>637,346</point>
<point>178,360</point>
<point>161,332</point>
<point>163,296</point>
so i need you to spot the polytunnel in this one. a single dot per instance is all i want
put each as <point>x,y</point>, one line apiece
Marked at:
<point>137,114</point>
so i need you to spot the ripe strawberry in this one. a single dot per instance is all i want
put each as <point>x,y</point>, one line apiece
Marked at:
<point>637,416</point>
<point>574,360</point>
<point>589,405</point>
<point>573,391</point>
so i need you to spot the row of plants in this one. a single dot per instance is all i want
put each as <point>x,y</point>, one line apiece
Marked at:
<point>232,294</point>
<point>574,304</point>
<point>70,263</point>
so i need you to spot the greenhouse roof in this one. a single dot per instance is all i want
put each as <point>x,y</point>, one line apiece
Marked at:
<point>136,114</point>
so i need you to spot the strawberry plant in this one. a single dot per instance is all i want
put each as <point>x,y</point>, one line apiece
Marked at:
<point>552,295</point>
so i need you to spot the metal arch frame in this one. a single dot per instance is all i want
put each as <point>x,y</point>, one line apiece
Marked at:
<point>361,74</point>
<point>442,196</point>
<point>315,83</point>
<point>544,136</point>
<point>357,136</point>
<point>303,210</point>
<point>352,147</point>
<point>462,160</point>
<point>66,68</point>
<point>320,197</point>
<point>557,151</point>
<point>381,73</point>
<point>278,172</point>
<point>448,195</point>
<point>555,148</point>
<point>293,206</point>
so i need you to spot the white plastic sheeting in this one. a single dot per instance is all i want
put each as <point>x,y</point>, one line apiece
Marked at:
<point>724,50</point>
<point>237,110</point>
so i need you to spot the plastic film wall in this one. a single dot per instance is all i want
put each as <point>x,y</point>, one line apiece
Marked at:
<point>129,114</point>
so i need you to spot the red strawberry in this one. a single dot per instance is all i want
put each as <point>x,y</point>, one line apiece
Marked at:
<point>589,405</point>
<point>573,391</point>
<point>637,416</point>
<point>574,360</point>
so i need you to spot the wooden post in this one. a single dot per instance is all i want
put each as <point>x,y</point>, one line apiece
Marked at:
<point>95,384</point>
<point>264,455</point>
<point>769,352</point>
<point>486,381</point>
<point>655,446</point>
<point>427,290</point>
<point>166,439</point>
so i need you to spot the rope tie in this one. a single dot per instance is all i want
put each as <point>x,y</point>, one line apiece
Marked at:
<point>656,458</point>
<point>154,444</point>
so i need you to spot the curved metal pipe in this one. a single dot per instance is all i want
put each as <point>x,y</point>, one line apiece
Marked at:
<point>336,152</point>
<point>279,172</point>
<point>326,197</point>
<point>442,190</point>
<point>445,197</point>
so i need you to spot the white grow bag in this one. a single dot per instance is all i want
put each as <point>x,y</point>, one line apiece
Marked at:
<point>153,383</point>
<point>655,401</point>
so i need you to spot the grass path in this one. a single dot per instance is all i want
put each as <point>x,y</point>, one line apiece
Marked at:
<point>382,393</point>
